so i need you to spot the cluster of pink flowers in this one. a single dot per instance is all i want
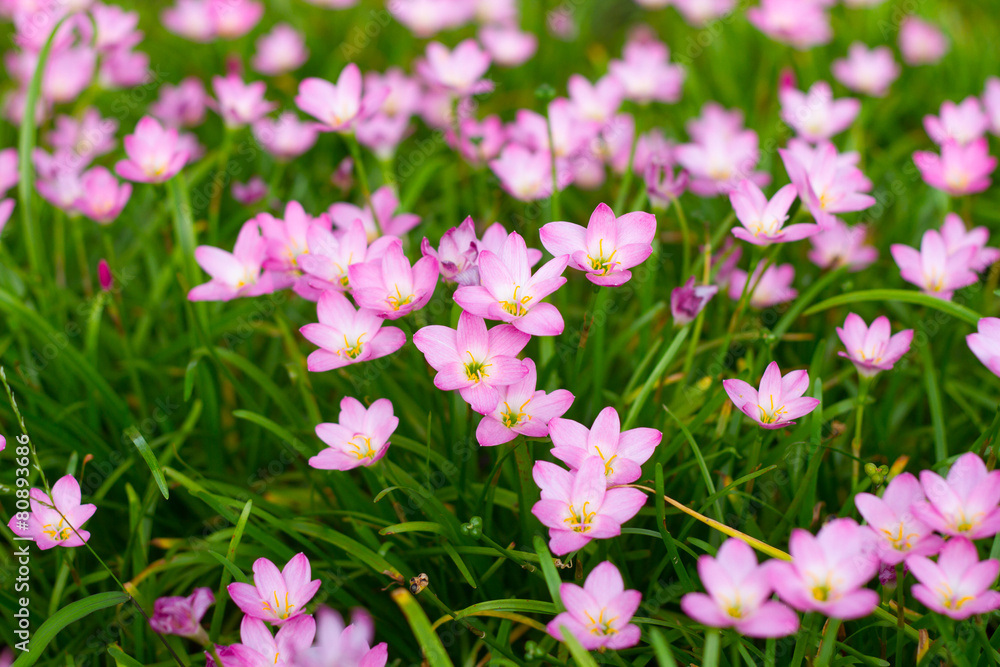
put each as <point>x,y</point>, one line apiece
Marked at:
<point>964,164</point>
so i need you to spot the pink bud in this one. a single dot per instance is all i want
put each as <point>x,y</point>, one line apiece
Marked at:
<point>104,275</point>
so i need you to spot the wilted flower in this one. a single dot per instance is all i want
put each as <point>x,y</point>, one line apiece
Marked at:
<point>872,349</point>
<point>276,596</point>
<point>959,585</point>
<point>966,503</point>
<point>55,521</point>
<point>899,533</point>
<point>154,155</point>
<point>102,197</point>
<point>621,452</point>
<point>359,438</point>
<point>182,615</point>
<point>347,336</point>
<point>522,411</point>
<point>936,271</point>
<point>598,614</point>
<point>687,300</point>
<point>778,402</point>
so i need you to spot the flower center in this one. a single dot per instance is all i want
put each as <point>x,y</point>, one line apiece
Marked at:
<point>57,532</point>
<point>600,626</point>
<point>773,416</point>
<point>277,611</point>
<point>900,542</point>
<point>397,300</point>
<point>608,470</point>
<point>509,418</point>
<point>516,306</point>
<point>604,265</point>
<point>362,446</point>
<point>580,522</point>
<point>352,350</point>
<point>475,370</point>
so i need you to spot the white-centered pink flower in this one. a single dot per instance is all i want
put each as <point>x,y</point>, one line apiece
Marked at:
<point>522,410</point>
<point>815,115</point>
<point>346,335</point>
<point>778,402</point>
<point>868,71</point>
<point>898,531</point>
<point>873,349</point>
<point>359,438</point>
<point>932,268</point>
<point>764,221</point>
<point>621,452</point>
<point>339,107</point>
<point>276,596</point>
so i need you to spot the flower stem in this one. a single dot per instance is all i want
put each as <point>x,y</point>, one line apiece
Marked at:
<point>829,643</point>
<point>215,205</point>
<point>526,489</point>
<point>710,653</point>
<point>554,198</point>
<point>801,645</point>
<point>362,174</point>
<point>627,178</point>
<point>81,257</point>
<point>685,238</point>
<point>863,385</point>
<point>900,613</point>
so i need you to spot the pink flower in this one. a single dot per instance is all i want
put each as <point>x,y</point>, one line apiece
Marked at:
<point>962,123</point>
<point>260,649</point>
<point>527,175</point>
<point>646,74</point>
<point>763,221</point>
<point>598,102</point>
<point>458,71</point>
<point>124,68</point>
<point>286,238</point>
<point>182,615</point>
<point>347,646</point>
<point>104,276</point>
<point>840,245</point>
<point>739,595</point>
<point>799,23</point>
<point>607,248</point>
<point>815,115</point>
<point>622,453</point>
<point>985,343</point>
<point>189,19</point>
<point>496,235</point>
<point>920,42</point>
<point>347,336</point>
<point>82,139</point>
<point>405,92</point>
<point>331,254</point>
<point>478,141</point>
<point>964,504</point>
<point>991,102</point>
<point>722,153</point>
<point>234,274</point>
<point>68,72</point>
<point>958,585</point>
<point>55,521</point>
<point>386,204</point>
<point>8,169</point>
<point>234,18</point>
<point>342,177</point>
<point>865,70</point>
<point>769,289</point>
<point>598,614</point>
<point>425,18</point>
<point>279,51</point>
<point>383,134</point>
<point>828,571</point>
<point>472,360</point>
<point>899,533</point>
<point>778,402</point>
<point>359,438</point>
<point>933,269</point>
<point>390,286</point>
<point>570,134</point>
<point>522,411</point>
<point>872,349</point>
<point>102,197</point>
<point>827,182</point>
<point>6,208</point>
<point>959,170</point>
<point>251,192</point>
<point>339,107</point>
<point>285,137</point>
<point>457,253</point>
<point>276,597</point>
<point>579,507</point>
<point>182,105</point>
<point>507,45</point>
<point>510,293</point>
<point>662,184</point>
<point>688,300</point>
<point>153,153</point>
<point>957,239</point>
<point>240,103</point>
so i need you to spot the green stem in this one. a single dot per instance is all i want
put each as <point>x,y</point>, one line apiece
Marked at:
<point>685,240</point>
<point>215,205</point>
<point>362,174</point>
<point>588,320</point>
<point>655,376</point>
<point>81,257</point>
<point>627,178</point>
<point>900,613</point>
<point>599,325</point>
<point>59,246</point>
<point>829,643</point>
<point>710,653</point>
<point>554,199</point>
<point>863,384</point>
<point>526,489</point>
<point>802,645</point>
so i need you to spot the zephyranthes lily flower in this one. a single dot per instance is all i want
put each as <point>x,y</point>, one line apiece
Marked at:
<point>778,402</point>
<point>276,596</point>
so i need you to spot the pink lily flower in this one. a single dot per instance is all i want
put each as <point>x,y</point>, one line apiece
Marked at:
<point>347,336</point>
<point>663,185</point>
<point>598,613</point>
<point>478,141</point>
<point>839,245</point>
<point>260,649</point>
<point>507,45</point>
<point>598,102</point>
<point>510,293</point>
<point>828,571</point>
<point>124,68</point>
<point>382,134</point>
<point>234,274</point>
<point>496,235</point>
<point>339,107</point>
<point>182,105</point>
<point>8,169</point>
<point>472,360</point>
<point>799,23</point>
<point>763,221</point>
<point>68,72</point>
<point>331,254</point>
<point>645,73</point>
<point>959,585</point>
<point>868,71</point>
<point>769,289</point>
<point>459,71</point>
<point>570,134</point>
<point>286,238</point>
<point>815,115</point>
<point>526,175</point>
<point>102,197</point>
<point>522,411</point>
<point>285,137</point>
<point>56,520</point>
<point>405,92</point>
<point>920,42</point>
<point>827,182</point>
<point>154,155</point>
<point>722,153</point>
<point>189,19</point>
<point>457,253</point>
<point>778,402</point>
<point>936,271</point>
<point>957,239</point>
<point>251,192</point>
<point>688,300</point>
<point>390,286</point>
<point>279,51</point>
<point>104,277</point>
<point>386,204</point>
<point>739,595</point>
<point>426,18</point>
<point>985,343</point>
<point>6,208</point>
<point>359,438</point>
<point>958,170</point>
<point>115,27</point>
<point>85,138</point>
<point>991,103</point>
<point>579,507</point>
<point>964,504</point>
<point>899,533</point>
<point>607,247</point>
<point>872,349</point>
<point>182,616</point>
<point>62,189</point>
<point>622,453</point>
<point>349,646</point>
<point>240,103</point>
<point>276,596</point>
<point>962,123</point>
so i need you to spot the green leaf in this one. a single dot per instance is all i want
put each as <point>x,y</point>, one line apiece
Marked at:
<point>906,296</point>
<point>662,648</point>
<point>433,649</point>
<point>147,455</point>
<point>283,433</point>
<point>69,614</point>
<point>512,604</point>
<point>552,579</point>
<point>580,655</point>
<point>121,658</point>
